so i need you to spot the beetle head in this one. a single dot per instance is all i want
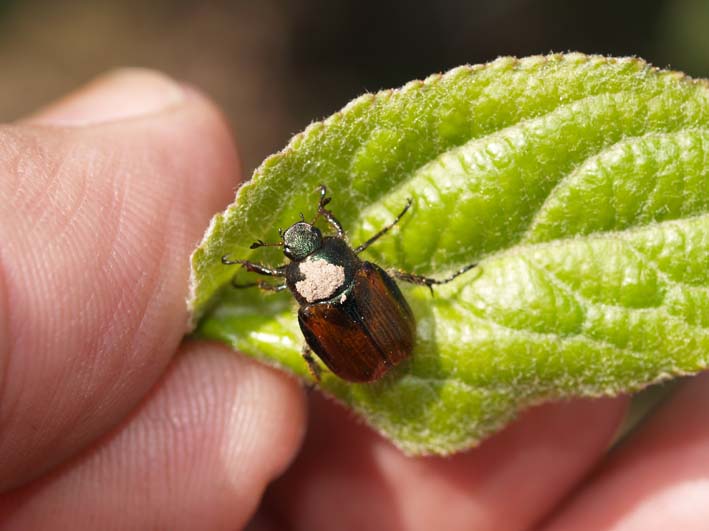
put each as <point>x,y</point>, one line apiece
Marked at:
<point>300,240</point>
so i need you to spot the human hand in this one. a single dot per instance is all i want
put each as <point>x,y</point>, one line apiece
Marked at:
<point>548,471</point>
<point>107,421</point>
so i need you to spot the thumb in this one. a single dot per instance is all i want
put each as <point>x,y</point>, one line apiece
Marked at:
<point>102,198</point>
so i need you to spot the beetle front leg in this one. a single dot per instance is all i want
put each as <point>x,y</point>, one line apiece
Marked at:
<point>313,366</point>
<point>257,268</point>
<point>265,286</point>
<point>329,216</point>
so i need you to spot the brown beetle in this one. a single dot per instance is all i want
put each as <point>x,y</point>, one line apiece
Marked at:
<point>352,313</point>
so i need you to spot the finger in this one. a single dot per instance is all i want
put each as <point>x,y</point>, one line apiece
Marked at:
<point>507,483</point>
<point>102,205</point>
<point>657,479</point>
<point>196,455</point>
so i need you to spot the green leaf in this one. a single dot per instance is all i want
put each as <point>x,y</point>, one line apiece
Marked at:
<point>579,183</point>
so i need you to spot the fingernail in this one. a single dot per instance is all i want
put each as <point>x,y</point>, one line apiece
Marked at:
<point>118,95</point>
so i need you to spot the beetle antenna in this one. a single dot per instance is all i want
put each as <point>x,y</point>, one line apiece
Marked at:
<point>260,243</point>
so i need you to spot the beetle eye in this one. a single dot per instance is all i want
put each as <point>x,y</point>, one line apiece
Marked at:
<point>288,251</point>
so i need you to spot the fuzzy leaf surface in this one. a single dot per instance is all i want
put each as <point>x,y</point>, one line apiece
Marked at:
<point>580,184</point>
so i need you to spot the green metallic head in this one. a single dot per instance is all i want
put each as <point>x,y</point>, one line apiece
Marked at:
<point>300,240</point>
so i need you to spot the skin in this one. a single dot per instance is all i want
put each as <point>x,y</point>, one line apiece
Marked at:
<point>108,420</point>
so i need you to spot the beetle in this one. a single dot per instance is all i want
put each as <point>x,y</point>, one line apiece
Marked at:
<point>352,313</point>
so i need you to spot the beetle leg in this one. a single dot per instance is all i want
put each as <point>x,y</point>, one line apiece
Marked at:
<point>428,281</point>
<point>313,366</point>
<point>265,286</point>
<point>324,212</point>
<point>382,232</point>
<point>257,268</point>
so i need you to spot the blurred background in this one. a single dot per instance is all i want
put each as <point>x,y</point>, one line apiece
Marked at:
<point>276,65</point>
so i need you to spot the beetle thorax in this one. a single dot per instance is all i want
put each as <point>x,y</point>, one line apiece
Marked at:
<point>320,279</point>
